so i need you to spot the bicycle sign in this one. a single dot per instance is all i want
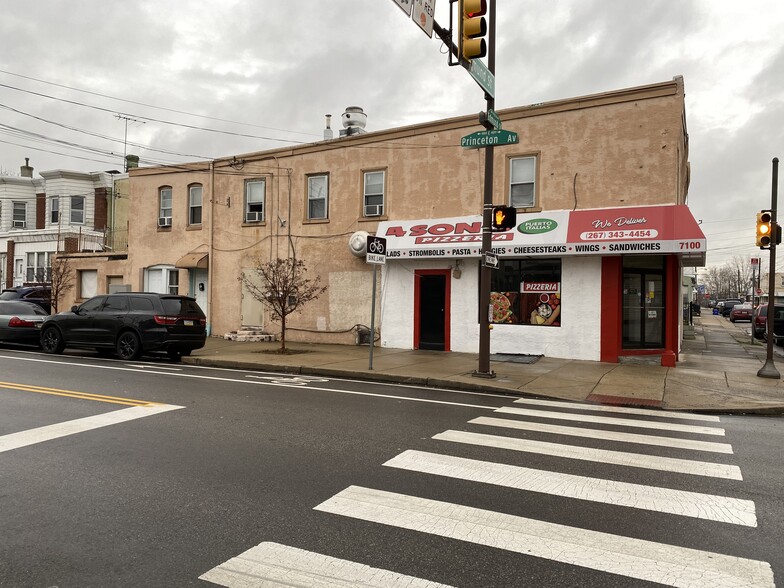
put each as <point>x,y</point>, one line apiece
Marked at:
<point>376,250</point>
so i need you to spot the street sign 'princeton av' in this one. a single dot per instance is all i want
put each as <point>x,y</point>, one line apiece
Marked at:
<point>494,138</point>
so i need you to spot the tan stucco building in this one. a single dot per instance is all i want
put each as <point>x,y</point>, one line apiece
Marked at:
<point>195,228</point>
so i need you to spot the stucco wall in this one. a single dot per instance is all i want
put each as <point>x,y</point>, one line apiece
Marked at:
<point>621,148</point>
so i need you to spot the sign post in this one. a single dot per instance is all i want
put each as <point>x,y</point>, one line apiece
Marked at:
<point>375,255</point>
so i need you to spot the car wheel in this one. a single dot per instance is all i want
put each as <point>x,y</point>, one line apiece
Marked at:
<point>52,340</point>
<point>174,355</point>
<point>128,346</point>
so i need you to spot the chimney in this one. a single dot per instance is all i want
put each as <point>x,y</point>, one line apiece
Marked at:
<point>27,171</point>
<point>131,161</point>
<point>328,130</point>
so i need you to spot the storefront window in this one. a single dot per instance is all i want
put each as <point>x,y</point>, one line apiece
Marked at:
<point>527,292</point>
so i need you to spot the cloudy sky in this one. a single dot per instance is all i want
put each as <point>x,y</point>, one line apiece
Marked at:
<point>217,78</point>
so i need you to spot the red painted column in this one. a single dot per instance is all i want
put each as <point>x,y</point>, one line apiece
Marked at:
<point>673,310</point>
<point>611,309</point>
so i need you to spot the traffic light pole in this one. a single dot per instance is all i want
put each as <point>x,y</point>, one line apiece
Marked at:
<point>769,369</point>
<point>487,210</point>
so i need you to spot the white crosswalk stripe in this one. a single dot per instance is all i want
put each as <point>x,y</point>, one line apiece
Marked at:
<point>655,562</point>
<point>637,460</point>
<point>689,504</point>
<point>271,564</point>
<point>606,435</point>
<point>632,557</point>
<point>670,414</point>
<point>617,422</point>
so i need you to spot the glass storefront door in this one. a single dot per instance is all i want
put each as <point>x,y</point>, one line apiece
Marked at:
<point>643,302</point>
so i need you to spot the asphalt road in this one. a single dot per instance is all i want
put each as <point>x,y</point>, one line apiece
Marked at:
<point>102,488</point>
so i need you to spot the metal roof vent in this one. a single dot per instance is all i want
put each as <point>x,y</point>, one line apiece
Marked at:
<point>354,121</point>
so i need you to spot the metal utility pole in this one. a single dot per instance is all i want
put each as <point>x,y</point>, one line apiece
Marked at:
<point>769,369</point>
<point>487,210</point>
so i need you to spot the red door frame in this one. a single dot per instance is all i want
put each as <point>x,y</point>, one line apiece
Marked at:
<point>447,273</point>
<point>612,312</point>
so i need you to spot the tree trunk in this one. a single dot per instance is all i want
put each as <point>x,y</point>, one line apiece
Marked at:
<point>283,334</point>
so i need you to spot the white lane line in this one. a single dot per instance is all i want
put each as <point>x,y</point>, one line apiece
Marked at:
<point>722,509</point>
<point>622,458</point>
<point>148,366</point>
<point>55,431</point>
<point>606,435</point>
<point>587,418</point>
<point>635,558</point>
<point>253,383</point>
<point>621,409</point>
<point>272,564</point>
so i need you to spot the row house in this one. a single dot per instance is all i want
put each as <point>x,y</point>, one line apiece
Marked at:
<point>591,271</point>
<point>59,212</point>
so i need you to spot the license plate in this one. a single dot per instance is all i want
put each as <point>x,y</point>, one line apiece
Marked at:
<point>187,323</point>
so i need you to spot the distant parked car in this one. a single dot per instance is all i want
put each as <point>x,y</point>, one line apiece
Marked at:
<point>130,324</point>
<point>728,304</point>
<point>40,295</point>
<point>742,312</point>
<point>760,319</point>
<point>20,322</point>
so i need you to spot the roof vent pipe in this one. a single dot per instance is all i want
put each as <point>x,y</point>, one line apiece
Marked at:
<point>26,170</point>
<point>328,131</point>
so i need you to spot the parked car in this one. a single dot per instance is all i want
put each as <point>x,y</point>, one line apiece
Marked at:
<point>760,319</point>
<point>728,304</point>
<point>130,324</point>
<point>40,295</point>
<point>20,322</point>
<point>742,312</point>
<point>778,326</point>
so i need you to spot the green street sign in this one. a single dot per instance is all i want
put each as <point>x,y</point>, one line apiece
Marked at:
<point>489,139</point>
<point>481,75</point>
<point>493,119</point>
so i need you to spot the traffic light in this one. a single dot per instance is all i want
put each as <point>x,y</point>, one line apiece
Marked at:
<point>504,218</point>
<point>764,229</point>
<point>473,27</point>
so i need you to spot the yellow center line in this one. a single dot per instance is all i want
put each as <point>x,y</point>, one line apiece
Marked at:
<point>76,394</point>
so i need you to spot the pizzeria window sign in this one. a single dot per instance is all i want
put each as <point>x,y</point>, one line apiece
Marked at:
<point>527,292</point>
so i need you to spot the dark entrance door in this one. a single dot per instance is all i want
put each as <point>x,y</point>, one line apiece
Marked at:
<point>643,302</point>
<point>431,312</point>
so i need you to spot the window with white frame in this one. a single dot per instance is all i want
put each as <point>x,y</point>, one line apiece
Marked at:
<point>39,267</point>
<point>165,206</point>
<point>254,200</point>
<point>163,279</point>
<point>54,211</point>
<point>318,196</point>
<point>373,197</point>
<point>522,180</point>
<point>20,215</point>
<point>77,210</point>
<point>194,204</point>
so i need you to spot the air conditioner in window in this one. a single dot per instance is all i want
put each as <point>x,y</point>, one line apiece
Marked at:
<point>254,217</point>
<point>19,224</point>
<point>373,209</point>
<point>164,221</point>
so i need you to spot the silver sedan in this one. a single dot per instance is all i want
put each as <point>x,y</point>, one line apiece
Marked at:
<point>20,322</point>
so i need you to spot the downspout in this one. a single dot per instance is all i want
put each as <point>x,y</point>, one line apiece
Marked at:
<point>211,256</point>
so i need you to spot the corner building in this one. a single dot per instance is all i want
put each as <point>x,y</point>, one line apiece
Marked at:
<point>592,269</point>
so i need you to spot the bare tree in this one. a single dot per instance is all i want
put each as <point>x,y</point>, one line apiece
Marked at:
<point>283,289</point>
<point>61,278</point>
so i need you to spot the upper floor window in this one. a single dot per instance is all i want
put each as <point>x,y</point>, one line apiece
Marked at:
<point>39,267</point>
<point>77,210</point>
<point>20,215</point>
<point>318,193</point>
<point>522,176</point>
<point>254,200</point>
<point>165,207</point>
<point>55,210</point>
<point>373,197</point>
<point>194,204</point>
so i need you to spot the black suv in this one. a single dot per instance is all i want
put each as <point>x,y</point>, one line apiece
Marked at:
<point>41,295</point>
<point>130,323</point>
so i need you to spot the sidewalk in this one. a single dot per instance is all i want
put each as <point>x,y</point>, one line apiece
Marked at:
<point>717,371</point>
